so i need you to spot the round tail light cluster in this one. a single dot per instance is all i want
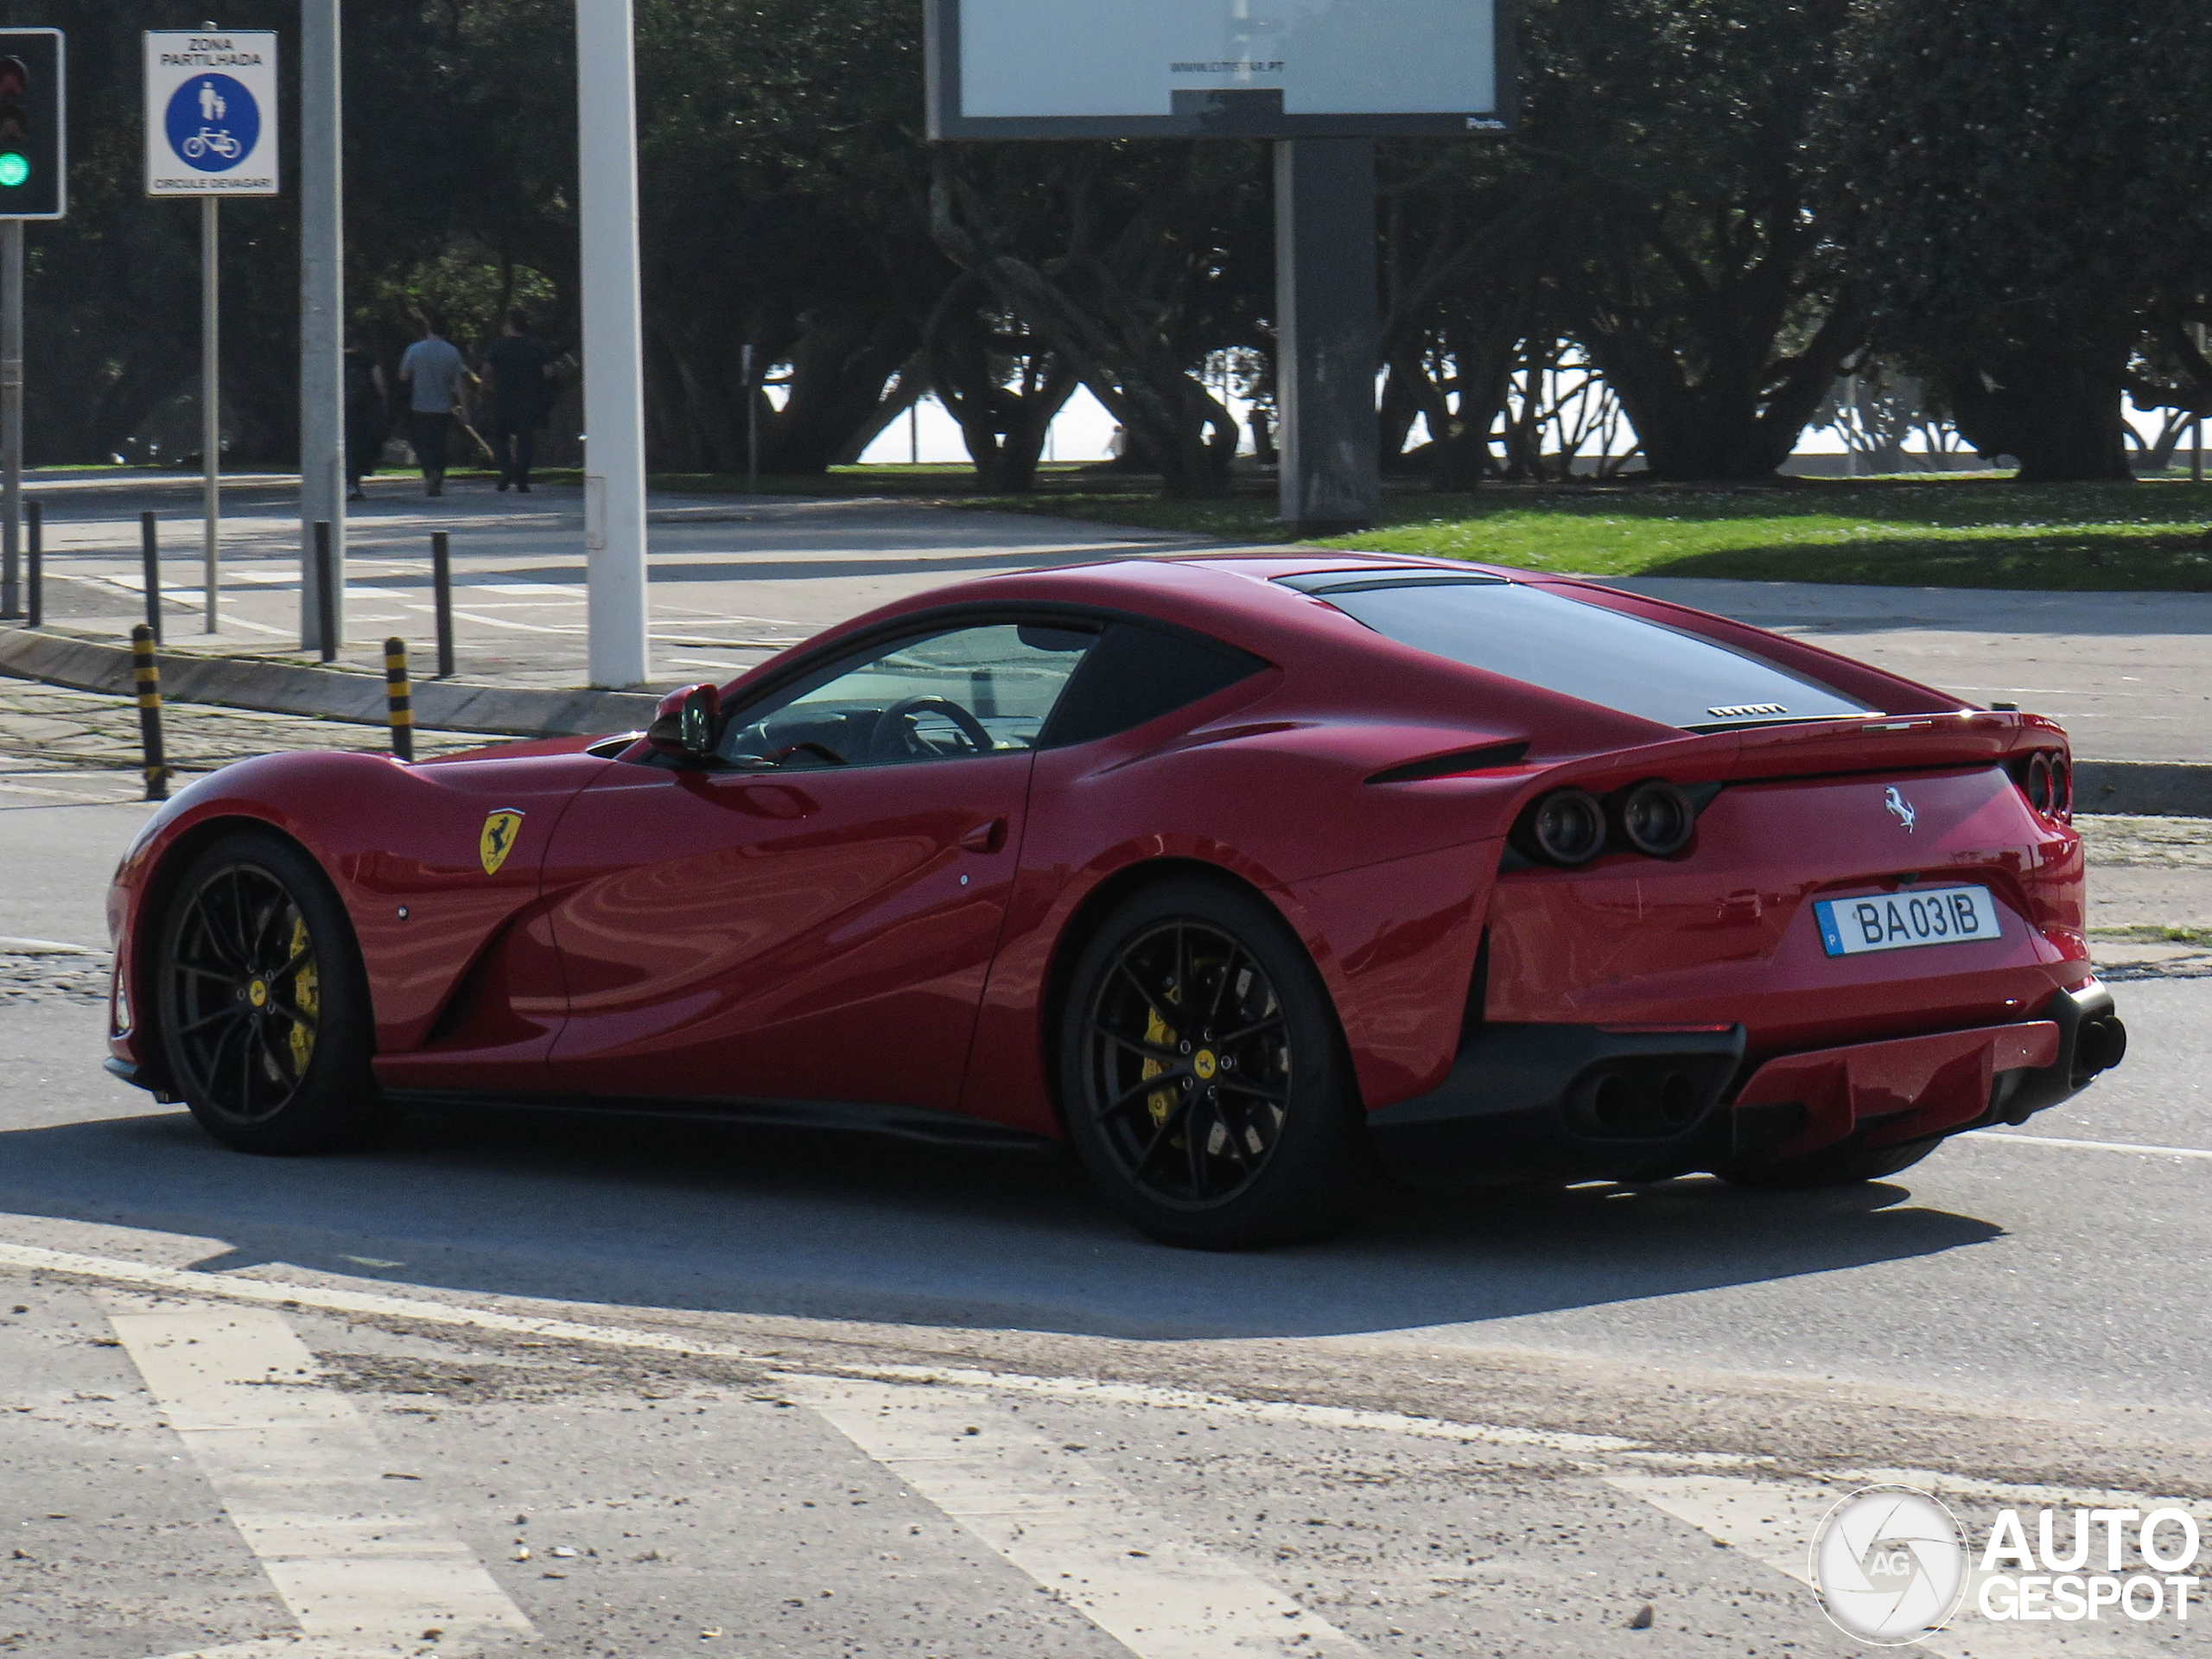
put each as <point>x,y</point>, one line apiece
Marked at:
<point>1657,819</point>
<point>2047,780</point>
<point>1569,827</point>
<point>1566,827</point>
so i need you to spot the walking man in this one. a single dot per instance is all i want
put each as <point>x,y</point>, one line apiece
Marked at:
<point>432,370</point>
<point>520,365</point>
<point>366,421</point>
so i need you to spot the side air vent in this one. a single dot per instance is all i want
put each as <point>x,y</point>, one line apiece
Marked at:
<point>1452,764</point>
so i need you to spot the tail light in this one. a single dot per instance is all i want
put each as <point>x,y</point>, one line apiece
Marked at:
<point>2046,778</point>
<point>1570,827</point>
<point>1565,827</point>
<point>1657,819</point>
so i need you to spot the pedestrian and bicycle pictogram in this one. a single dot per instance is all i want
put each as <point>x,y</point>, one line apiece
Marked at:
<point>213,121</point>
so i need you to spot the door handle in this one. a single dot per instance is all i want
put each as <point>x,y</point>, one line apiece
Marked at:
<point>985,837</point>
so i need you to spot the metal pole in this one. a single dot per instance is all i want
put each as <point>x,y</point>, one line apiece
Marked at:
<point>147,674</point>
<point>11,410</point>
<point>322,315</point>
<point>35,515</point>
<point>615,387</point>
<point>211,406</point>
<point>1325,333</point>
<point>751,426</point>
<point>327,587</point>
<point>1844,426</point>
<point>442,595</point>
<point>914,433</point>
<point>149,562</point>
<point>400,702</point>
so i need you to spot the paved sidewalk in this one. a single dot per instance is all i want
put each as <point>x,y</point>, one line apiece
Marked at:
<point>735,578</point>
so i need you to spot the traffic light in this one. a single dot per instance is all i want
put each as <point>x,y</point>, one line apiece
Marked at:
<point>33,162</point>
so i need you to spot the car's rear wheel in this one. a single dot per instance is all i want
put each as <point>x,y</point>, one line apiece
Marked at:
<point>1845,1165</point>
<point>264,1019</point>
<point>1203,1077</point>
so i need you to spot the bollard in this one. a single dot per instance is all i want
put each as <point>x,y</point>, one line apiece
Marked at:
<point>325,597</point>
<point>441,586</point>
<point>35,514</point>
<point>149,553</point>
<point>397,699</point>
<point>147,675</point>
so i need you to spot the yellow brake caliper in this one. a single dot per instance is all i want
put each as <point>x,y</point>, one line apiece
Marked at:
<point>1159,1035</point>
<point>304,998</point>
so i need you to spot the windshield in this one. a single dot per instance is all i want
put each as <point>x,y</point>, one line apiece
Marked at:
<point>1622,662</point>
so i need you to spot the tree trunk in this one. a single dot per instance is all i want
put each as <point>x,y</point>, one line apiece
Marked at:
<point>2055,404</point>
<point>968,362</point>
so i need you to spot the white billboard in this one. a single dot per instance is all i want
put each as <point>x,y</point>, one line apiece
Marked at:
<point>211,112</point>
<point>1080,68</point>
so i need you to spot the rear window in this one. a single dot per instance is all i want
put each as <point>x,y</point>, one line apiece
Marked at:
<point>1621,662</point>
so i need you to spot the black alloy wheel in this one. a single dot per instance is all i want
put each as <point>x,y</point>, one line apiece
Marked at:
<point>1205,1083</point>
<point>264,1017</point>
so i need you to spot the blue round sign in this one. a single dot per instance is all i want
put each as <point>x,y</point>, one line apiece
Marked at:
<point>213,123</point>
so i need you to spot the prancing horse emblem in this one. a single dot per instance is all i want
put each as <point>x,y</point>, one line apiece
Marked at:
<point>1900,808</point>
<point>498,840</point>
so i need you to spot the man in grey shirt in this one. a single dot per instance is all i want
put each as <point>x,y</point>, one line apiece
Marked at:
<point>434,372</point>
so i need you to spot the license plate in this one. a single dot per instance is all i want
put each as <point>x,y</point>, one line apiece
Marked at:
<point>1898,921</point>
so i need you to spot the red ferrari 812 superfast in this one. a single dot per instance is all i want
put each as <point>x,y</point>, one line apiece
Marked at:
<point>1255,878</point>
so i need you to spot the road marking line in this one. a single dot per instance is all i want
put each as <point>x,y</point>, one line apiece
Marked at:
<point>1074,1530</point>
<point>1988,1135</point>
<point>21,947</point>
<point>298,1469</point>
<point>277,1292</point>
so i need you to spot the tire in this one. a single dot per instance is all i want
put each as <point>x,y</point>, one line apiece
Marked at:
<point>1844,1166</point>
<point>266,1027</point>
<point>1282,1152</point>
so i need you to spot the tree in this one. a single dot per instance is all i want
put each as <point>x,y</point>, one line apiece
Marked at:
<point>1671,142</point>
<point>2020,182</point>
<point>1126,259</point>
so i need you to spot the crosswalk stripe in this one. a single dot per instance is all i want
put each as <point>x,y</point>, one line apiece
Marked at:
<point>299,1471</point>
<point>1051,1513</point>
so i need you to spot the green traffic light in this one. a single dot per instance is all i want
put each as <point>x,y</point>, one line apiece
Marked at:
<point>14,168</point>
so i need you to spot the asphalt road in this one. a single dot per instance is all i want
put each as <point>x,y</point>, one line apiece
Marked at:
<point>819,1396</point>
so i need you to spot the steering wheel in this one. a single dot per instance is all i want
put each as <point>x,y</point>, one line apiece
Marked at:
<point>896,739</point>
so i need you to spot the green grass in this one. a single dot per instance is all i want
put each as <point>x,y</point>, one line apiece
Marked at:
<point>2154,933</point>
<point>1955,531</point>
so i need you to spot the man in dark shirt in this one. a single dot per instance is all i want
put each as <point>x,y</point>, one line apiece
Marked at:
<point>519,365</point>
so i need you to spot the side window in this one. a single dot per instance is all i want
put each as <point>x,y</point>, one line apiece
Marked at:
<point>940,696</point>
<point>1134,674</point>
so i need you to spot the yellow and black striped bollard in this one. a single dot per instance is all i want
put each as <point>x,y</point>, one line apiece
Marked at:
<point>396,696</point>
<point>147,674</point>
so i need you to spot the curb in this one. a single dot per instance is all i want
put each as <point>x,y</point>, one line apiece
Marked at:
<point>327,694</point>
<point>2150,789</point>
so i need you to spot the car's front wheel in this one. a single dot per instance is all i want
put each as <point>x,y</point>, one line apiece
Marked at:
<point>1204,1078</point>
<point>263,1008</point>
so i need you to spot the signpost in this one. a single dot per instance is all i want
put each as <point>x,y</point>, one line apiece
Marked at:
<point>211,132</point>
<point>1321,80</point>
<point>34,184</point>
<point>615,387</point>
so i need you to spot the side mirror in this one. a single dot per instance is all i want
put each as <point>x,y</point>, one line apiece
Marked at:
<point>687,724</point>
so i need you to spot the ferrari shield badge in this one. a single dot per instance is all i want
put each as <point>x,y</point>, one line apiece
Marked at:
<point>498,840</point>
